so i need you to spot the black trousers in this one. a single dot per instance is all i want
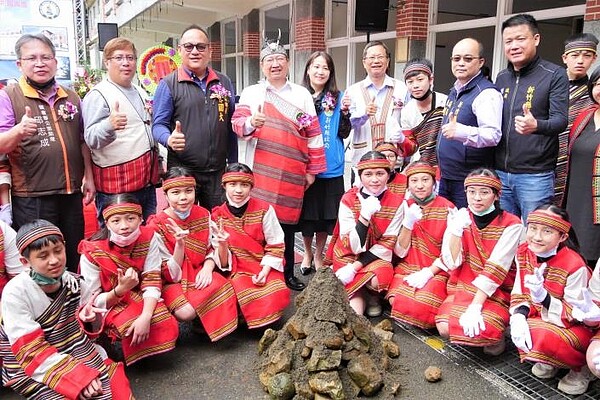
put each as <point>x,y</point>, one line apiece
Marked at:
<point>63,210</point>
<point>289,232</point>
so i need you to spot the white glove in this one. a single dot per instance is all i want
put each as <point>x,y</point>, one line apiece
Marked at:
<point>6,213</point>
<point>535,284</point>
<point>472,320</point>
<point>419,279</point>
<point>71,282</point>
<point>585,310</point>
<point>596,360</point>
<point>368,206</point>
<point>397,137</point>
<point>458,221</point>
<point>346,274</point>
<point>520,333</point>
<point>412,214</point>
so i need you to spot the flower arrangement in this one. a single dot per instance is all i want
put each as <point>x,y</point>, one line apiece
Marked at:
<point>304,120</point>
<point>67,111</point>
<point>219,92</point>
<point>85,79</point>
<point>329,102</point>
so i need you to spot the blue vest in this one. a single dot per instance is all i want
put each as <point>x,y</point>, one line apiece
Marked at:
<point>333,144</point>
<point>455,159</point>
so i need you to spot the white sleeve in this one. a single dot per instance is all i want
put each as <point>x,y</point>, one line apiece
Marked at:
<point>348,228</point>
<point>152,264</point>
<point>165,255</point>
<point>273,235</point>
<point>91,273</point>
<point>572,292</point>
<point>393,228</point>
<point>502,256</point>
<point>12,257</point>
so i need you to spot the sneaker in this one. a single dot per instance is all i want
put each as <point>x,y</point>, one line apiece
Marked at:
<point>495,349</point>
<point>575,383</point>
<point>544,371</point>
<point>374,308</point>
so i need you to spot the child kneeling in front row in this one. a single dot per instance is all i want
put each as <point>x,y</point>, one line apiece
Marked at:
<point>46,353</point>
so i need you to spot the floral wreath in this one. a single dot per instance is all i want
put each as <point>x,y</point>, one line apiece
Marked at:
<point>155,63</point>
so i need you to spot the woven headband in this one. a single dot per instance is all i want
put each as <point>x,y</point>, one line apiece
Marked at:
<point>550,220</point>
<point>180,181</point>
<point>481,180</point>
<point>237,177</point>
<point>580,45</point>
<point>376,163</point>
<point>387,147</point>
<point>35,234</point>
<point>417,67</point>
<point>122,208</point>
<point>420,168</point>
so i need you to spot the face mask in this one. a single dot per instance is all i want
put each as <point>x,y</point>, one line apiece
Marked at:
<point>237,205</point>
<point>366,191</point>
<point>547,254</point>
<point>43,280</point>
<point>182,215</point>
<point>124,241</point>
<point>484,212</point>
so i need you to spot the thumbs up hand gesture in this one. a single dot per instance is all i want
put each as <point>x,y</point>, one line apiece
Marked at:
<point>177,139</point>
<point>449,129</point>
<point>117,119</point>
<point>372,107</point>
<point>258,118</point>
<point>527,123</point>
<point>28,125</point>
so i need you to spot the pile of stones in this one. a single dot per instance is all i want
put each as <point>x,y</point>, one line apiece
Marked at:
<point>327,351</point>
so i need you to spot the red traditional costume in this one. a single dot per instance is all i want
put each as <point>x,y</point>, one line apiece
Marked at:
<point>486,262</point>
<point>283,151</point>
<point>255,240</point>
<point>557,338</point>
<point>215,304</point>
<point>397,184</point>
<point>100,261</point>
<point>10,263</point>
<point>420,306</point>
<point>345,245</point>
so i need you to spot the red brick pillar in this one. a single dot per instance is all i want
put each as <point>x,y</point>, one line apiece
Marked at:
<point>251,43</point>
<point>309,32</point>
<point>411,26</point>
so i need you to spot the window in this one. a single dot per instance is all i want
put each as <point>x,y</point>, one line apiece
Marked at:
<point>231,59</point>
<point>275,19</point>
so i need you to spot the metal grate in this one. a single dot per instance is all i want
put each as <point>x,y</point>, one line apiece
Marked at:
<point>506,372</point>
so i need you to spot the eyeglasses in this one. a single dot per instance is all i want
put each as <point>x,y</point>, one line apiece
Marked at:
<point>271,60</point>
<point>483,193</point>
<point>45,59</point>
<point>121,58</point>
<point>467,59</point>
<point>375,58</point>
<point>189,47</point>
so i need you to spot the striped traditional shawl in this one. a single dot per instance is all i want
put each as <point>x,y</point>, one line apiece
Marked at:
<point>579,125</point>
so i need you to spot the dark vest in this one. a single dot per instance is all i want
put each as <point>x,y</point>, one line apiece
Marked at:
<point>205,126</point>
<point>49,162</point>
<point>455,159</point>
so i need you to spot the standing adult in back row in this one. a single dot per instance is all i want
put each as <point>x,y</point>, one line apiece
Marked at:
<point>285,146</point>
<point>192,117</point>
<point>376,104</point>
<point>536,101</point>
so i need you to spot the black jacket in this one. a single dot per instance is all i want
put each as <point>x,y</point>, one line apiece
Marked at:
<point>545,87</point>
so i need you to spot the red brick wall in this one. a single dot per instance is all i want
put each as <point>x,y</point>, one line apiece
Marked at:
<point>251,42</point>
<point>592,10</point>
<point>310,34</point>
<point>215,51</point>
<point>411,19</point>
